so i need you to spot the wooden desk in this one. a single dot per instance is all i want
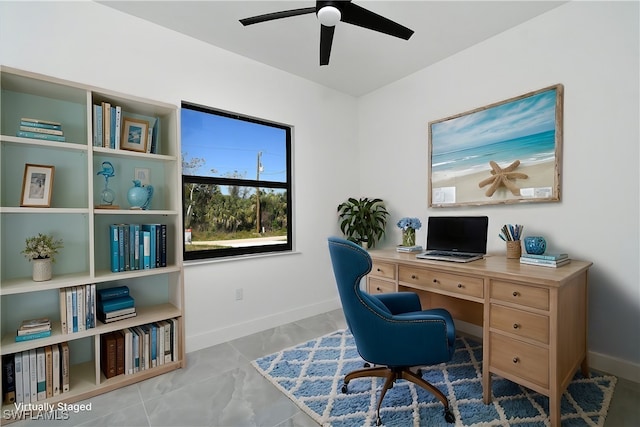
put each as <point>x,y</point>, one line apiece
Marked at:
<point>534,318</point>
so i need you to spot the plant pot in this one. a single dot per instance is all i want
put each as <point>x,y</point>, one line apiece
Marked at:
<point>42,270</point>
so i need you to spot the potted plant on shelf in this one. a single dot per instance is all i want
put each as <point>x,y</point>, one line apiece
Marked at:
<point>363,220</point>
<point>40,250</point>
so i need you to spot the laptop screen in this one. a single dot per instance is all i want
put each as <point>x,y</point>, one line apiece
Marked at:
<point>458,233</point>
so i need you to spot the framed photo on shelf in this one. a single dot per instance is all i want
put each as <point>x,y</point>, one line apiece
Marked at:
<point>134,135</point>
<point>506,152</point>
<point>37,186</point>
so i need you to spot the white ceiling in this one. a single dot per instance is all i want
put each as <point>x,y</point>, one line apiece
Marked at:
<point>361,60</point>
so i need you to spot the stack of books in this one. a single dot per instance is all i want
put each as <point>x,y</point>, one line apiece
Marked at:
<point>40,129</point>
<point>416,248</point>
<point>115,304</point>
<point>33,329</point>
<point>545,260</point>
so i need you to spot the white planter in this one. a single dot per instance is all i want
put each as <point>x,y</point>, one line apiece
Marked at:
<point>42,270</point>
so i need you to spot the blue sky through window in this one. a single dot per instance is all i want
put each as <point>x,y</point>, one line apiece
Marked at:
<point>230,145</point>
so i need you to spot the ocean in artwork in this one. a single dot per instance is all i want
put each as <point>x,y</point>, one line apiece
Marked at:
<point>529,149</point>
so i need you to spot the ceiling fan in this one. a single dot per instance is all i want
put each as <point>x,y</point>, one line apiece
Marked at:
<point>329,14</point>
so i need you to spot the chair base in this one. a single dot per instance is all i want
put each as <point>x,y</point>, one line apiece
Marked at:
<point>393,374</point>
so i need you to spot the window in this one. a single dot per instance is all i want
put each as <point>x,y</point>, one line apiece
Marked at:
<point>236,184</point>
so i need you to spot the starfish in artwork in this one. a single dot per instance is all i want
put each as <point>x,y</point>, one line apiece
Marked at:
<point>503,177</point>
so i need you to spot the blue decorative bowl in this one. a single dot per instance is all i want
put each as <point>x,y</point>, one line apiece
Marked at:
<point>535,245</point>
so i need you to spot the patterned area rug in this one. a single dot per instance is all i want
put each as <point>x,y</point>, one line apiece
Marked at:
<point>311,375</point>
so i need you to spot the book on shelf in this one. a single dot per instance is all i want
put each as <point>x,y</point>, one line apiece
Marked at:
<point>33,375</point>
<point>119,303</point>
<point>64,367</point>
<point>31,124</point>
<point>34,336</point>
<point>41,130</point>
<point>415,248</point>
<point>118,313</point>
<point>544,262</point>
<point>547,256</point>
<point>48,358</point>
<point>112,293</point>
<point>108,354</point>
<point>26,380</point>
<point>8,380</point>
<point>112,319</point>
<point>32,326</point>
<point>55,358</point>
<point>41,373</point>
<point>17,365</point>
<point>37,135</point>
<point>77,308</point>
<point>106,124</point>
<point>119,352</point>
<point>56,125</point>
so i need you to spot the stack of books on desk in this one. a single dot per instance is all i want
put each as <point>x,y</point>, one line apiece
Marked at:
<point>545,260</point>
<point>33,329</point>
<point>115,304</point>
<point>416,248</point>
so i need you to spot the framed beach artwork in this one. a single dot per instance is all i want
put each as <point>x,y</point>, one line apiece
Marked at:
<point>507,152</point>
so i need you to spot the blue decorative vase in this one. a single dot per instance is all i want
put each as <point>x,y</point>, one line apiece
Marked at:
<point>139,197</point>
<point>535,245</point>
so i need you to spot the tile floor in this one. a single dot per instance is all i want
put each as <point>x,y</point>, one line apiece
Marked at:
<point>220,388</point>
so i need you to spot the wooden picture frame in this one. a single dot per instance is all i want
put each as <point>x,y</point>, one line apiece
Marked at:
<point>134,135</point>
<point>506,152</point>
<point>37,185</point>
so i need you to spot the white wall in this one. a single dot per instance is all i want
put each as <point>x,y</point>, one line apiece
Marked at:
<point>591,48</point>
<point>94,44</point>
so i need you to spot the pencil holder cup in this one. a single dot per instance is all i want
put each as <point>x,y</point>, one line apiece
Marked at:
<point>514,250</point>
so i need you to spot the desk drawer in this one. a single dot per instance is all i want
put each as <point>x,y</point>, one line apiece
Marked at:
<point>519,322</point>
<point>520,359</point>
<point>383,269</point>
<point>377,286</point>
<point>454,283</point>
<point>529,296</point>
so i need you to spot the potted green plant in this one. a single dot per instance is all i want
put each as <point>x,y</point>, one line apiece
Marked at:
<point>41,249</point>
<point>363,220</point>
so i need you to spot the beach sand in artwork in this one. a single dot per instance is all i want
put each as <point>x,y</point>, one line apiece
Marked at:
<point>541,175</point>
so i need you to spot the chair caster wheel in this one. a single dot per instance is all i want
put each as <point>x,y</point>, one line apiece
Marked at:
<point>366,365</point>
<point>379,421</point>
<point>344,388</point>
<point>449,417</point>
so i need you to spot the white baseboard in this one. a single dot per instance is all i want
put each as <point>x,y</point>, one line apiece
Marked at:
<point>228,333</point>
<point>614,366</point>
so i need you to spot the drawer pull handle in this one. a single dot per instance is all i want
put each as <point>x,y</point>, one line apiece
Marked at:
<point>380,290</point>
<point>459,285</point>
<point>413,276</point>
<point>516,360</point>
<point>516,326</point>
<point>435,280</point>
<point>516,293</point>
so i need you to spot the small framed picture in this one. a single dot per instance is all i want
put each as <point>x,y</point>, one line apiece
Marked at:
<point>37,186</point>
<point>134,135</point>
<point>143,175</point>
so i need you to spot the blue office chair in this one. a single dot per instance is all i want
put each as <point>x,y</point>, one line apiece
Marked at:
<point>391,331</point>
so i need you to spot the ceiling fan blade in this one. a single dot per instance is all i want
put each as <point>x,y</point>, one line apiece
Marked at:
<point>277,15</point>
<point>326,40</point>
<point>356,15</point>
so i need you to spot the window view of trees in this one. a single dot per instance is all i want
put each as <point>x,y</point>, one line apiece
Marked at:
<point>229,206</point>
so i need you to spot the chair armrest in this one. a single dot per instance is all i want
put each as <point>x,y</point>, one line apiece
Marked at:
<point>400,302</point>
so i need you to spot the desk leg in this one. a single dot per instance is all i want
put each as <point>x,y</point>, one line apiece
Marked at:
<point>486,376</point>
<point>554,410</point>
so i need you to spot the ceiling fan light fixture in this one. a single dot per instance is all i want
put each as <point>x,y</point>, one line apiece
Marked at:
<point>329,16</point>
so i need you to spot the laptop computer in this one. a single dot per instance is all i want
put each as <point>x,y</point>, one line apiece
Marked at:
<point>456,238</point>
